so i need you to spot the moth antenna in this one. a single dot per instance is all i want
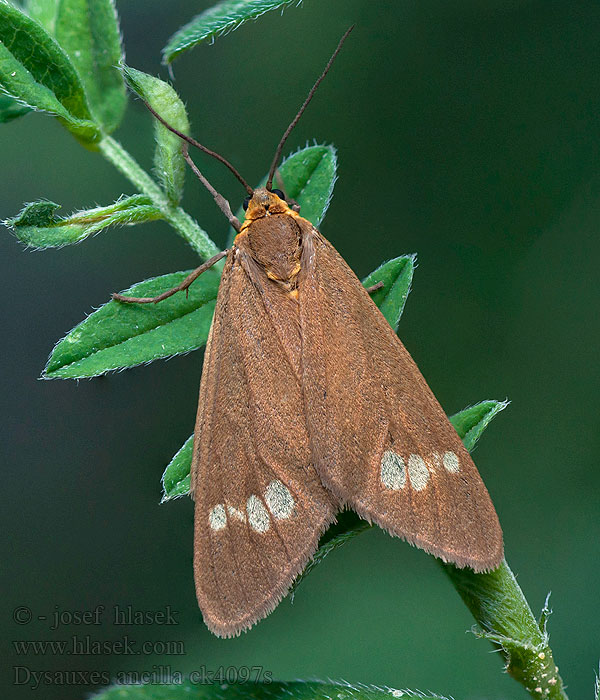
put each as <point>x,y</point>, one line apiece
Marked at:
<point>301,110</point>
<point>222,203</point>
<point>197,144</point>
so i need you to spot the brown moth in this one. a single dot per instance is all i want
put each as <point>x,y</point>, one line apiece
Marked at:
<point>309,403</point>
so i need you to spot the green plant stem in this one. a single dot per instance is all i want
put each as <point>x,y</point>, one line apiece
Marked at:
<point>500,608</point>
<point>179,219</point>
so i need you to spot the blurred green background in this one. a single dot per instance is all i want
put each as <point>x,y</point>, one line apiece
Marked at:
<point>468,132</point>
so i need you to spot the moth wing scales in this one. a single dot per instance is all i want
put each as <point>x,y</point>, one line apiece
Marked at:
<point>251,458</point>
<point>365,399</point>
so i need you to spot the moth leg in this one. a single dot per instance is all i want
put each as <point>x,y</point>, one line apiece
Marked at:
<point>375,287</point>
<point>179,288</point>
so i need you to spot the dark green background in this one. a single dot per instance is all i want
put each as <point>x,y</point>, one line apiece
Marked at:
<point>468,132</point>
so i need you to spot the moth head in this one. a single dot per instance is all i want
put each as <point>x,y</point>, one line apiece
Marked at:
<point>264,202</point>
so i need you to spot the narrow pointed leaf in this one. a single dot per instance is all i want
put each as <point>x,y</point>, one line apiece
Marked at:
<point>88,30</point>
<point>37,226</point>
<point>218,19</point>
<point>36,71</point>
<point>225,689</point>
<point>168,159</point>
<point>308,177</point>
<point>10,109</point>
<point>396,276</point>
<point>472,421</point>
<point>545,614</point>
<point>176,479</point>
<point>120,335</point>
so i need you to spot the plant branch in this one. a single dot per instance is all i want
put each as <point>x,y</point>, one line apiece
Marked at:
<point>179,219</point>
<point>500,608</point>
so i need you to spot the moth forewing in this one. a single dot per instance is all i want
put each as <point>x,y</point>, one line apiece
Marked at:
<point>260,505</point>
<point>380,440</point>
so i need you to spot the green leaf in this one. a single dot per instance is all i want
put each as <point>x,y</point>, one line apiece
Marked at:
<point>308,178</point>
<point>10,109</point>
<point>38,73</point>
<point>44,12</point>
<point>472,421</point>
<point>168,159</point>
<point>88,30</point>
<point>37,226</point>
<point>545,614</point>
<point>237,687</point>
<point>176,478</point>
<point>120,335</point>
<point>219,19</point>
<point>396,276</point>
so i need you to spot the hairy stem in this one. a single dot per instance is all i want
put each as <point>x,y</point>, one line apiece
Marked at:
<point>500,608</point>
<point>180,220</point>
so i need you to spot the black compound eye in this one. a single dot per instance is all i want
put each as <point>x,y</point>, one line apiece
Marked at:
<point>279,193</point>
<point>246,202</point>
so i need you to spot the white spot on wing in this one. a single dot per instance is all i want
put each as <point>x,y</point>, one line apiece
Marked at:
<point>237,514</point>
<point>393,471</point>
<point>417,472</point>
<point>279,499</point>
<point>258,515</point>
<point>217,518</point>
<point>451,462</point>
